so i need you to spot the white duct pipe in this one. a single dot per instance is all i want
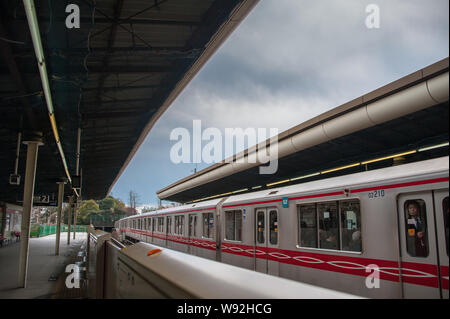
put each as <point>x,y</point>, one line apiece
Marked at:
<point>410,100</point>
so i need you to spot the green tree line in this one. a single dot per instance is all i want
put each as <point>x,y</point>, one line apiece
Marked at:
<point>108,209</point>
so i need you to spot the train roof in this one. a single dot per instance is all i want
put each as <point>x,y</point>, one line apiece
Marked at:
<point>422,168</point>
<point>379,175</point>
<point>189,207</point>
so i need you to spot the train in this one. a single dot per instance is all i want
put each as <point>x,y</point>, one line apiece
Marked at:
<point>380,233</point>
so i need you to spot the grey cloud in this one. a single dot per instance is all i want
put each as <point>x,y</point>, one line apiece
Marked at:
<point>291,60</point>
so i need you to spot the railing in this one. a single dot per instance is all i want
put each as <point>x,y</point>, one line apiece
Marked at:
<point>38,230</point>
<point>148,271</point>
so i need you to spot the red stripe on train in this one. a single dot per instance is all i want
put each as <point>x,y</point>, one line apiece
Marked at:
<point>414,273</point>
<point>201,243</point>
<point>427,181</point>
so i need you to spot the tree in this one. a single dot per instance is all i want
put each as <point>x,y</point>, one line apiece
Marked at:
<point>86,209</point>
<point>106,209</point>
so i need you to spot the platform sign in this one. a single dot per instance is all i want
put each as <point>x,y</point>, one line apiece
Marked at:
<point>285,202</point>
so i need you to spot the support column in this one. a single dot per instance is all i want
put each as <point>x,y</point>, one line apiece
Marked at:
<point>75,211</point>
<point>69,222</point>
<point>59,215</point>
<point>28,193</point>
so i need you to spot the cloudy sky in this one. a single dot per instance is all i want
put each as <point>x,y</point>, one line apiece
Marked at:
<point>289,61</point>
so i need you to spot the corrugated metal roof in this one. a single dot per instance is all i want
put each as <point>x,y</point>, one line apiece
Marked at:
<point>113,78</point>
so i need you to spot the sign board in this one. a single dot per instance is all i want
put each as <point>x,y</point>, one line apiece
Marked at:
<point>285,202</point>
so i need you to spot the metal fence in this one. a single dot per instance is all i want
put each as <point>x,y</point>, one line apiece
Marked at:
<point>37,230</point>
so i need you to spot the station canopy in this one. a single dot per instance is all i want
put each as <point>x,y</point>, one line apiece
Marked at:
<point>113,77</point>
<point>404,121</point>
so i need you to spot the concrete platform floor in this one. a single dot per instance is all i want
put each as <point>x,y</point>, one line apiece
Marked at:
<point>45,270</point>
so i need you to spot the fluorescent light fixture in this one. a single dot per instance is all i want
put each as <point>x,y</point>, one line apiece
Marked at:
<point>240,190</point>
<point>340,168</point>
<point>279,182</point>
<point>432,147</point>
<point>54,128</point>
<point>306,176</point>
<point>389,157</point>
<point>256,187</point>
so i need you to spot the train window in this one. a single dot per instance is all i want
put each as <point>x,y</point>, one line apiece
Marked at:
<point>350,225</point>
<point>192,225</point>
<point>416,226</point>
<point>179,224</point>
<point>161,224</point>
<point>308,225</point>
<point>153,224</point>
<point>194,228</point>
<point>328,225</point>
<point>233,225</point>
<point>261,227</point>
<point>169,224</point>
<point>273,224</point>
<point>149,223</point>
<point>208,224</point>
<point>445,210</point>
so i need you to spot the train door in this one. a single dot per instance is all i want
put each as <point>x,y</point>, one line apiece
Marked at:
<point>419,256</point>
<point>192,233</point>
<point>168,230</point>
<point>442,232</point>
<point>266,240</point>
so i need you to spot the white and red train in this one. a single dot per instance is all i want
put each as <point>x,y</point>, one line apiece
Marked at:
<point>339,233</point>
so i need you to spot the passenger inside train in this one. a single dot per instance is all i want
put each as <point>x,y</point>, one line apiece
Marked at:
<point>416,226</point>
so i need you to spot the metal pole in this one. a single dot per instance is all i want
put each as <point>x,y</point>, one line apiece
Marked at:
<point>16,164</point>
<point>77,167</point>
<point>30,174</point>
<point>75,211</point>
<point>69,219</point>
<point>77,171</point>
<point>58,216</point>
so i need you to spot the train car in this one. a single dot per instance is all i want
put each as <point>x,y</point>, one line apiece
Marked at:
<point>381,233</point>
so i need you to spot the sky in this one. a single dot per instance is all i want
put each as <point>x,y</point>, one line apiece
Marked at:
<point>289,61</point>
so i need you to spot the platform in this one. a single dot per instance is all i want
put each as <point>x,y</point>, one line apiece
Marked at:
<point>45,270</point>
